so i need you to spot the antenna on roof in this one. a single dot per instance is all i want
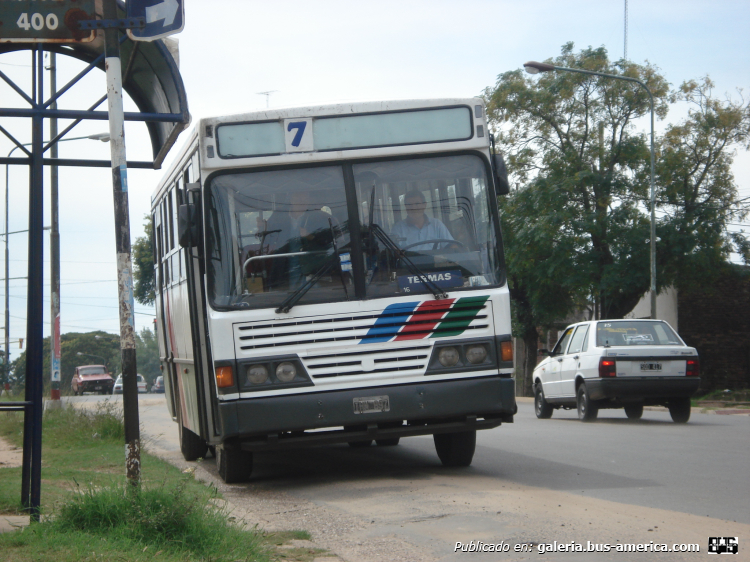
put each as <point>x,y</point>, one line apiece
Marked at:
<point>268,95</point>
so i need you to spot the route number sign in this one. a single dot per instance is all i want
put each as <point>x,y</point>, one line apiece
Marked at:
<point>45,21</point>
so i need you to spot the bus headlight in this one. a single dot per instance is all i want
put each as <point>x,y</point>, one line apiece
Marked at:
<point>286,372</point>
<point>257,374</point>
<point>476,354</point>
<point>448,356</point>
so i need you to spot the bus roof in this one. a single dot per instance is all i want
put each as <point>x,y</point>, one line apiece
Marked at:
<point>336,131</point>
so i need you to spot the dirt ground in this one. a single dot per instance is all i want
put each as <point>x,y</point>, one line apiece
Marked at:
<point>10,455</point>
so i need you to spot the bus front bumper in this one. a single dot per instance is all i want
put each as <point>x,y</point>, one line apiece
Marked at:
<point>318,418</point>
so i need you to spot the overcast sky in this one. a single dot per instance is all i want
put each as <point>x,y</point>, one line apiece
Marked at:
<point>325,51</point>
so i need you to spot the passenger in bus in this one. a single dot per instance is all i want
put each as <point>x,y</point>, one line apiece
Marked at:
<point>418,226</point>
<point>303,228</point>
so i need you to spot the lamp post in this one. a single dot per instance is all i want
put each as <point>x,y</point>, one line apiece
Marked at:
<point>533,67</point>
<point>104,361</point>
<point>55,347</point>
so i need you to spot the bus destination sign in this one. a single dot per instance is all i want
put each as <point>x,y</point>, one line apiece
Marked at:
<point>45,21</point>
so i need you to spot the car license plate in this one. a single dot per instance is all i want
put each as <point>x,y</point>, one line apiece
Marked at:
<point>650,366</point>
<point>97,388</point>
<point>371,404</point>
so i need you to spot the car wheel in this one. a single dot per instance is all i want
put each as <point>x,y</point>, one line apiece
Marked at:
<point>234,464</point>
<point>456,449</point>
<point>542,408</point>
<point>587,408</point>
<point>191,445</point>
<point>679,409</point>
<point>634,411</point>
<point>392,442</point>
<point>360,444</point>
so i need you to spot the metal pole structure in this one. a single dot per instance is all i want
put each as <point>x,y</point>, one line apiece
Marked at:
<point>122,241</point>
<point>533,67</point>
<point>32,446</point>
<point>54,243</point>
<point>6,364</point>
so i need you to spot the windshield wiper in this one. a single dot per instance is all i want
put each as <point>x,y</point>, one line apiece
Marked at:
<point>292,299</point>
<point>388,242</point>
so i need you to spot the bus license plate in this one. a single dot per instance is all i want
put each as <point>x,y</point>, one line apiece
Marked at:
<point>371,404</point>
<point>650,366</point>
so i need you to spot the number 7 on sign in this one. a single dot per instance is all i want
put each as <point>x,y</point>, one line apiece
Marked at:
<point>298,134</point>
<point>300,126</point>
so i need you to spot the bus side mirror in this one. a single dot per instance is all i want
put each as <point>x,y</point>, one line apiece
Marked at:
<point>188,230</point>
<point>502,187</point>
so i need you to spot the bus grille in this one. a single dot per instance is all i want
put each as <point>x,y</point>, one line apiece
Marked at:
<point>401,359</point>
<point>397,322</point>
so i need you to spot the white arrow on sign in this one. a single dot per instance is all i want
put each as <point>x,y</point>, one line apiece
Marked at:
<point>166,11</point>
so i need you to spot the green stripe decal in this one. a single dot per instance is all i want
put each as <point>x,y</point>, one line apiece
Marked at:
<point>459,317</point>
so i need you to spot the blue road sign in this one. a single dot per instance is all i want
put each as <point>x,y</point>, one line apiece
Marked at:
<point>163,17</point>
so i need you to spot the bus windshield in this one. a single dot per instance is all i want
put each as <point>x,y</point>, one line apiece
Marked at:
<point>422,222</point>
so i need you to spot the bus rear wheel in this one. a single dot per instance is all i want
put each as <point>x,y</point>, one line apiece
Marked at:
<point>234,464</point>
<point>456,449</point>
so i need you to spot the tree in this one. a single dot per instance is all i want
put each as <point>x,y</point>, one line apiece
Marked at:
<point>576,228</point>
<point>696,187</point>
<point>147,351</point>
<point>101,344</point>
<point>143,265</point>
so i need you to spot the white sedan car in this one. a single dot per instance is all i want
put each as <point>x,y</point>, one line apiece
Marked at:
<point>142,388</point>
<point>617,364</point>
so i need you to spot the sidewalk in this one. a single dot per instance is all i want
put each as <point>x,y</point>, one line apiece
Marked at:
<point>12,522</point>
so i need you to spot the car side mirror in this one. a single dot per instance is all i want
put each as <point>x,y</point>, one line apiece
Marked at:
<point>543,353</point>
<point>188,226</point>
<point>502,186</point>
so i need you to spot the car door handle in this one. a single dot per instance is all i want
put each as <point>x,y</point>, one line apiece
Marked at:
<point>560,359</point>
<point>576,356</point>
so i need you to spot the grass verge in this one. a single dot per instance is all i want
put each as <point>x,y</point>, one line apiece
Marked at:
<point>89,514</point>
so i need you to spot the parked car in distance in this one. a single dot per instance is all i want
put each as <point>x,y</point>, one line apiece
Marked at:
<point>158,386</point>
<point>617,364</point>
<point>91,378</point>
<point>117,389</point>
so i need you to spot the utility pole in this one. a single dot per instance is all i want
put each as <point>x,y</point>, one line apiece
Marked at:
<point>122,241</point>
<point>54,239</point>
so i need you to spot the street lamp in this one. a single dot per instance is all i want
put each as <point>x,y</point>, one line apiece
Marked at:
<point>104,361</point>
<point>103,137</point>
<point>533,67</point>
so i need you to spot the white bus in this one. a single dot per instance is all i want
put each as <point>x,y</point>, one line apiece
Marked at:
<point>334,274</point>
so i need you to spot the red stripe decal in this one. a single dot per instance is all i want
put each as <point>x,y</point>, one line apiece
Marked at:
<point>423,322</point>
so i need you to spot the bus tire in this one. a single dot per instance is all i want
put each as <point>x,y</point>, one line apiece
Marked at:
<point>456,449</point>
<point>191,445</point>
<point>392,442</point>
<point>234,464</point>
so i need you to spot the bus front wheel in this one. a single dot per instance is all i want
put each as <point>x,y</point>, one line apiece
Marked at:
<point>456,449</point>
<point>234,464</point>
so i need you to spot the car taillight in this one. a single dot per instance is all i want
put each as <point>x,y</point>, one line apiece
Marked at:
<point>692,368</point>
<point>607,368</point>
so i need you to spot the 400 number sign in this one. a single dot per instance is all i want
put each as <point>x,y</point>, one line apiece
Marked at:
<point>45,21</point>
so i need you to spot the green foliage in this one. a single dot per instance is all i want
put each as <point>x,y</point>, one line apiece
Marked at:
<point>147,353</point>
<point>106,347</point>
<point>143,265</point>
<point>89,517</point>
<point>577,226</point>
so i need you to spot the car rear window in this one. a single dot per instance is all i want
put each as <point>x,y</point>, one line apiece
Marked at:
<point>624,332</point>
<point>92,371</point>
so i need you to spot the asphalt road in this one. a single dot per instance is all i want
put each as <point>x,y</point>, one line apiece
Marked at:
<point>522,473</point>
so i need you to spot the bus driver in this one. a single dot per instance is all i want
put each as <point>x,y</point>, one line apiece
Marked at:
<point>418,226</point>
